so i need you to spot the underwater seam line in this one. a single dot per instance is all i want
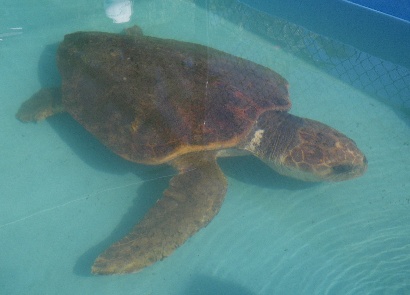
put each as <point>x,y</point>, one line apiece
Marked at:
<point>85,198</point>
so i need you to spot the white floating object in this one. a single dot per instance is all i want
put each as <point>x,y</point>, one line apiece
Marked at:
<point>119,11</point>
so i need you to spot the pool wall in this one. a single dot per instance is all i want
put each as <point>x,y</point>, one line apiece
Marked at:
<point>397,8</point>
<point>371,31</point>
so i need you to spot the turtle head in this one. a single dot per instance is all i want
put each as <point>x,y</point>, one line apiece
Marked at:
<point>305,149</point>
<point>321,153</point>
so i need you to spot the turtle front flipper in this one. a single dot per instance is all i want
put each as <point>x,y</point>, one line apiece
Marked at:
<point>192,199</point>
<point>44,103</point>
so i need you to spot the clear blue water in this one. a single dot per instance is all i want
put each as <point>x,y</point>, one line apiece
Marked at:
<point>65,198</point>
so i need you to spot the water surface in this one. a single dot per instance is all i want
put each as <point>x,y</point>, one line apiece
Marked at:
<point>65,198</point>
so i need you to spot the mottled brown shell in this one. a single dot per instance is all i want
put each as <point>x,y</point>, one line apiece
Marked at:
<point>151,100</point>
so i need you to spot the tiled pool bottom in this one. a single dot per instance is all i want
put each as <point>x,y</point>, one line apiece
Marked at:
<point>65,198</point>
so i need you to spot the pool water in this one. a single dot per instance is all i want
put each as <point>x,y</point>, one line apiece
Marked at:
<point>65,197</point>
<point>398,8</point>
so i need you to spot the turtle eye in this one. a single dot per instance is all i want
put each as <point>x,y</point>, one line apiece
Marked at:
<point>340,169</point>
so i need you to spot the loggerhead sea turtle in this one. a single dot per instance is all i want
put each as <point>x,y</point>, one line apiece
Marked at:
<point>156,101</point>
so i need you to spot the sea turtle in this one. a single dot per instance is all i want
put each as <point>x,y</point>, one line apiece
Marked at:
<point>156,101</point>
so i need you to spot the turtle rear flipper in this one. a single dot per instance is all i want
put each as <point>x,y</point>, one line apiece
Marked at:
<point>44,103</point>
<point>192,199</point>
